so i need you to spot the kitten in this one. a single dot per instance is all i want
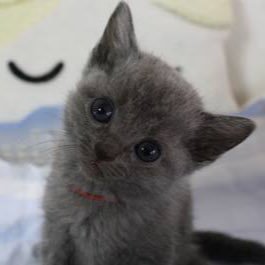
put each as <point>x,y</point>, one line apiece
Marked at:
<point>119,189</point>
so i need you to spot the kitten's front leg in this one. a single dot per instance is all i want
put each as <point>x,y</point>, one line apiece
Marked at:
<point>57,247</point>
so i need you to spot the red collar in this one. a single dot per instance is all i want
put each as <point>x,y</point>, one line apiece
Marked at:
<point>92,197</point>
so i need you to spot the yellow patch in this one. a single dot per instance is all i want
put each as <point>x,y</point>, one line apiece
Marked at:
<point>211,13</point>
<point>16,16</point>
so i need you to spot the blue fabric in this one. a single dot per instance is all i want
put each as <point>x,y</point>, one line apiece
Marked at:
<point>255,110</point>
<point>29,139</point>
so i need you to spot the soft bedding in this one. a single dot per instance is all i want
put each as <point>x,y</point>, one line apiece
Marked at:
<point>21,189</point>
<point>229,196</point>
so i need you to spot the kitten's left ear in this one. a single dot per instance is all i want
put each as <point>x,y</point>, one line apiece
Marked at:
<point>118,41</point>
<point>218,134</point>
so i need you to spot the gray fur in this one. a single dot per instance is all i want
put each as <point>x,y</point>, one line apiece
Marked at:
<point>151,223</point>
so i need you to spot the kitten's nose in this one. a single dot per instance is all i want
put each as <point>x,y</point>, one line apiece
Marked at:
<point>106,151</point>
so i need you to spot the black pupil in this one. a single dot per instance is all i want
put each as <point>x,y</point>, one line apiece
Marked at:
<point>102,109</point>
<point>148,151</point>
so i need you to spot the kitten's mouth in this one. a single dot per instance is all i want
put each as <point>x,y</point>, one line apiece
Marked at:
<point>96,170</point>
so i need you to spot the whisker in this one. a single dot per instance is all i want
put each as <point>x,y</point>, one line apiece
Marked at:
<point>119,171</point>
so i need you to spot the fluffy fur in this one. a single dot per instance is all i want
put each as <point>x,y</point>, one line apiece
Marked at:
<point>151,221</point>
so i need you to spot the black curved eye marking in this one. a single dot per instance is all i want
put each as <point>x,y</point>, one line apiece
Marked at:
<point>35,79</point>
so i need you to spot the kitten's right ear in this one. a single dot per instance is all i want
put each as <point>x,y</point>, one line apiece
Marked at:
<point>218,134</point>
<point>118,41</point>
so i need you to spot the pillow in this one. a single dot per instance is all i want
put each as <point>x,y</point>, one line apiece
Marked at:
<point>51,51</point>
<point>246,50</point>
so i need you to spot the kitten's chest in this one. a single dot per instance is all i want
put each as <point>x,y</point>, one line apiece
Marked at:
<point>91,248</point>
<point>97,238</point>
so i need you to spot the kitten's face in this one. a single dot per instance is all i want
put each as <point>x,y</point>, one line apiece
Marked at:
<point>151,106</point>
<point>134,121</point>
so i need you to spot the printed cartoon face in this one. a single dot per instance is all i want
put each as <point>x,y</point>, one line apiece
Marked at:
<point>18,19</point>
<point>43,48</point>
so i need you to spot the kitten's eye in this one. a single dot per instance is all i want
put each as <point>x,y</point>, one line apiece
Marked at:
<point>102,109</point>
<point>148,151</point>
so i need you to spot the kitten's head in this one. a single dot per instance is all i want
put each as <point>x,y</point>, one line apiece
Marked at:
<point>136,124</point>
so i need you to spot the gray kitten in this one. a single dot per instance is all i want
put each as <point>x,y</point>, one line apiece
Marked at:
<point>119,191</point>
